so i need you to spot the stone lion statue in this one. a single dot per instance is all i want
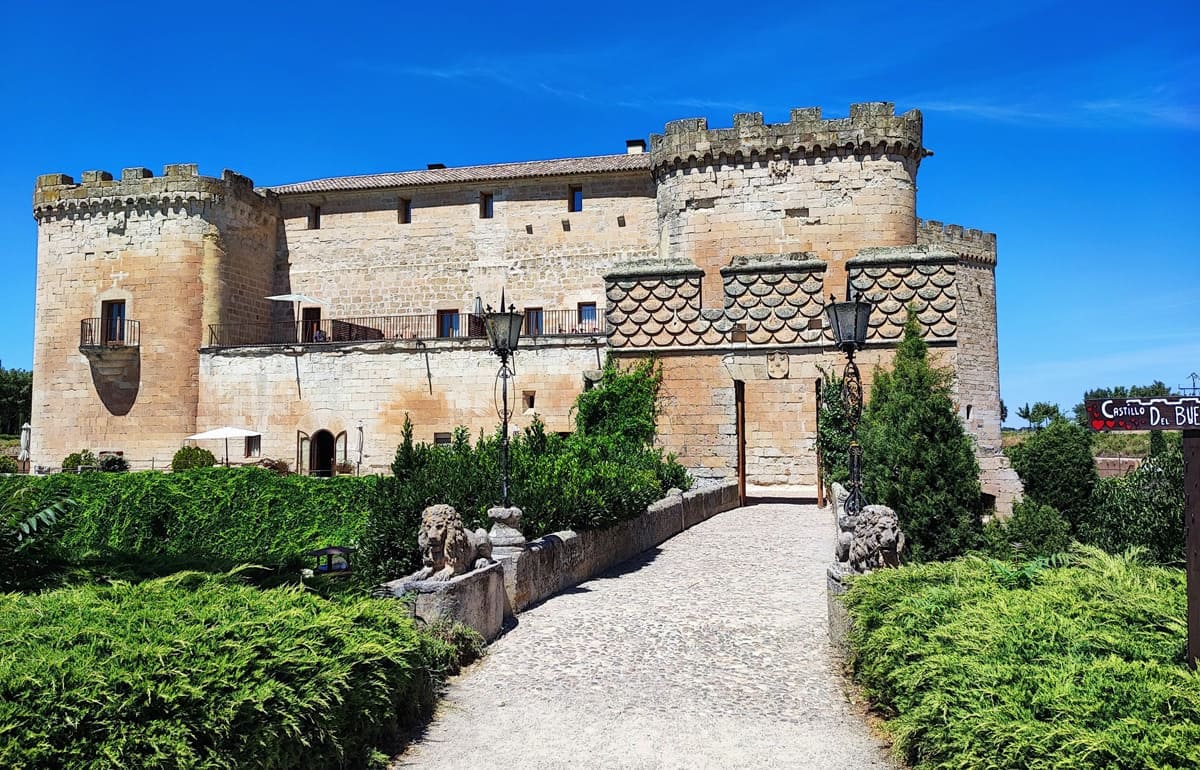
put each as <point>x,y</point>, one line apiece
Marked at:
<point>878,541</point>
<point>447,547</point>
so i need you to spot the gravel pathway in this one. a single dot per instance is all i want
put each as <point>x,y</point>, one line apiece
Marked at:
<point>710,651</point>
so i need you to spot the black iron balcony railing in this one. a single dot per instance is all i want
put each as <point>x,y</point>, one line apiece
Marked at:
<point>109,333</point>
<point>444,325</point>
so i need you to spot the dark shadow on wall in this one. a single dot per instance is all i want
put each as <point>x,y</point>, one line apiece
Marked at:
<point>117,375</point>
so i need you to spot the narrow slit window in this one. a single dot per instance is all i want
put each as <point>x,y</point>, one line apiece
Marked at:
<point>404,211</point>
<point>314,217</point>
<point>575,198</point>
<point>485,205</point>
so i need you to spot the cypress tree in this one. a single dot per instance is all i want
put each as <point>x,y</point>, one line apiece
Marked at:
<point>917,458</point>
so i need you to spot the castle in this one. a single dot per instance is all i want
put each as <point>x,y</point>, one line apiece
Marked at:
<point>715,250</point>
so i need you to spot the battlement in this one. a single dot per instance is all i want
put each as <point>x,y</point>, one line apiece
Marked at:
<point>872,127</point>
<point>965,242</point>
<point>137,186</point>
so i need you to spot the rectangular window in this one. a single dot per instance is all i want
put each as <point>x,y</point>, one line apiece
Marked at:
<point>485,205</point>
<point>587,316</point>
<point>404,211</point>
<point>575,198</point>
<point>441,439</point>
<point>253,446</point>
<point>447,323</point>
<point>533,321</point>
<point>112,322</point>
<point>314,217</point>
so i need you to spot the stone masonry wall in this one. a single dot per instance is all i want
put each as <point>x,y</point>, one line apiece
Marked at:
<point>827,187</point>
<point>977,376</point>
<point>158,244</point>
<point>363,262</point>
<point>374,384</point>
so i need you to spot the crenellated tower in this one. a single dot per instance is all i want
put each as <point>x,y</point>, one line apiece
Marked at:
<point>828,188</point>
<point>130,273</point>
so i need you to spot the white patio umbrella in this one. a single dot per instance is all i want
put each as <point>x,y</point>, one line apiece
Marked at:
<point>26,432</point>
<point>297,298</point>
<point>225,433</point>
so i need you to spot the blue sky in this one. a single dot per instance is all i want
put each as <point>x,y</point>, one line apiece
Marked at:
<point>1069,129</point>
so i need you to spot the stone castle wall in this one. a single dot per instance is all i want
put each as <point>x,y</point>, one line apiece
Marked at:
<point>716,252</point>
<point>163,245</point>
<point>364,262</point>
<point>375,384</point>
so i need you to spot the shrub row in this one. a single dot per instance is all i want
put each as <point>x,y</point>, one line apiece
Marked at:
<point>211,515</point>
<point>982,665</point>
<point>579,482</point>
<point>199,671</point>
<point>1142,509</point>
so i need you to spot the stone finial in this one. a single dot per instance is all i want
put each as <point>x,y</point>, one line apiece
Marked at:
<point>506,527</point>
<point>447,547</point>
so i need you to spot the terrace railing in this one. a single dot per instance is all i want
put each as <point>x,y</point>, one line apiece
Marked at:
<point>109,333</point>
<point>546,323</point>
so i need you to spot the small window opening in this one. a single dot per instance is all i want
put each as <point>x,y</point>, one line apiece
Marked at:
<point>575,198</point>
<point>112,322</point>
<point>314,217</point>
<point>586,317</point>
<point>441,439</point>
<point>404,211</point>
<point>533,321</point>
<point>528,398</point>
<point>485,205</point>
<point>447,321</point>
<point>968,411</point>
<point>253,446</point>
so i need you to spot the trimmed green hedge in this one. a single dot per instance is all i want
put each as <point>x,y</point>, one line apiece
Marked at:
<point>210,515</point>
<point>198,671</point>
<point>984,666</point>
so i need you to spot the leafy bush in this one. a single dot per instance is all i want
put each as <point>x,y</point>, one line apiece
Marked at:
<point>9,465</point>
<point>1033,530</point>
<point>624,405</point>
<point>1143,508</point>
<point>604,473</point>
<point>110,463</point>
<point>188,457</point>
<point>26,554</point>
<point>207,516</point>
<point>917,458</point>
<point>982,665</point>
<point>1056,467</point>
<point>197,671</point>
<point>833,432</point>
<point>84,457</point>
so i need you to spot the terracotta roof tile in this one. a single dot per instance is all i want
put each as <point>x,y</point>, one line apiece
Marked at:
<point>597,164</point>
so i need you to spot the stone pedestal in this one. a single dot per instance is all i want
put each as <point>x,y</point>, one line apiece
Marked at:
<point>505,534</point>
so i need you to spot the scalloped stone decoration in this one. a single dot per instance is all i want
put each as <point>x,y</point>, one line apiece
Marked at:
<point>929,289</point>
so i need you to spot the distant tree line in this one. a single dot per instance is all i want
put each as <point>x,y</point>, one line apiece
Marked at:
<point>16,399</point>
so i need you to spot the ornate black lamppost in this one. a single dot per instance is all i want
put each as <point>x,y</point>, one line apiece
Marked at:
<point>849,320</point>
<point>503,329</point>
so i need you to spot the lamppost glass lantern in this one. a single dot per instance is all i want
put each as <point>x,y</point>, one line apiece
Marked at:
<point>503,329</point>
<point>849,321</point>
